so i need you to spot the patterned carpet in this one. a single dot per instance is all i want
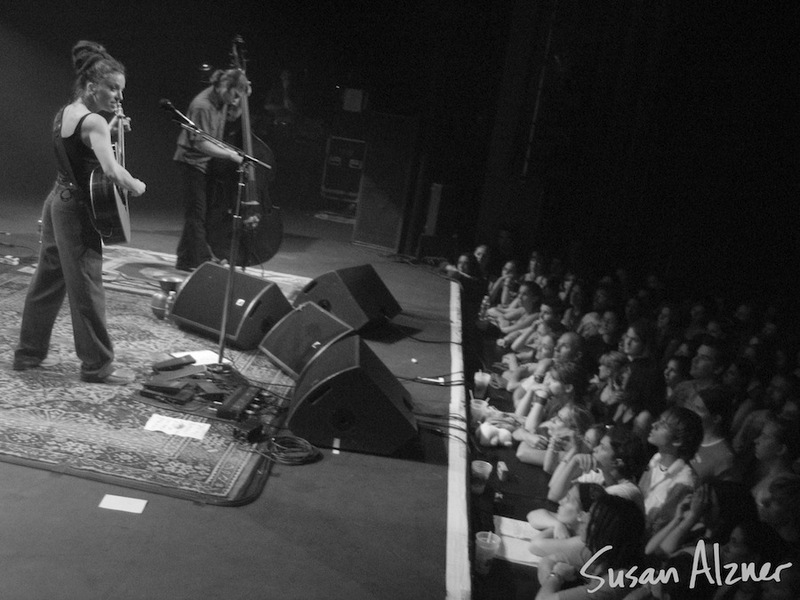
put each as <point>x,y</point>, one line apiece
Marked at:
<point>50,419</point>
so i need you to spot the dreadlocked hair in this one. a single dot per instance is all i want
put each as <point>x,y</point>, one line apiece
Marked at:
<point>92,64</point>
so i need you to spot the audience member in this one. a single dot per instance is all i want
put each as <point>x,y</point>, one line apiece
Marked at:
<point>714,458</point>
<point>565,438</point>
<point>565,383</point>
<point>710,514</point>
<point>698,319</point>
<point>605,388</point>
<point>669,477</point>
<point>606,338</point>
<point>514,322</point>
<point>503,289</point>
<point>740,378</point>
<point>467,272</point>
<point>565,522</point>
<point>643,392</point>
<point>616,463</point>
<point>776,450</point>
<point>676,372</point>
<point>613,540</point>
<point>707,368</point>
<point>668,333</point>
<point>531,394</point>
<point>777,506</point>
<point>779,392</point>
<point>550,312</point>
<point>728,439</point>
<point>577,305</point>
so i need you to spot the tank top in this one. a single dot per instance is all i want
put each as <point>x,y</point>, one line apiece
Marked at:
<point>82,159</point>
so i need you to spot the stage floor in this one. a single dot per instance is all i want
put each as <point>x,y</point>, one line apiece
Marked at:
<point>353,526</point>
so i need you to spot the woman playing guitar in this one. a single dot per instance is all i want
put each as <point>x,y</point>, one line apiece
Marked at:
<point>71,255</point>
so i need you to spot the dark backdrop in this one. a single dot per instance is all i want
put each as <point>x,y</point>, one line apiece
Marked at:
<point>683,149</point>
<point>436,62</point>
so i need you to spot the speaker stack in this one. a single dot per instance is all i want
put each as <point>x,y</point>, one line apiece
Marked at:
<point>256,305</point>
<point>345,397</point>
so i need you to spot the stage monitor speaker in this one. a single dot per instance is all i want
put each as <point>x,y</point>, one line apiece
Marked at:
<point>256,305</point>
<point>346,398</point>
<point>356,295</point>
<point>300,336</point>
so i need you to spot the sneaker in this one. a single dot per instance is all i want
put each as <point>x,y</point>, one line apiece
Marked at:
<point>23,364</point>
<point>51,360</point>
<point>116,377</point>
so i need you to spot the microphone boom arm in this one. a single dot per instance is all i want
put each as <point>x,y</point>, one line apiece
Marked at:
<point>189,125</point>
<point>216,141</point>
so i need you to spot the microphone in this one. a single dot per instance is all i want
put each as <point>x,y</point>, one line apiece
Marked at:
<point>169,107</point>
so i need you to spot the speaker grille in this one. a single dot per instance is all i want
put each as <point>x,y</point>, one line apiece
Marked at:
<point>300,336</point>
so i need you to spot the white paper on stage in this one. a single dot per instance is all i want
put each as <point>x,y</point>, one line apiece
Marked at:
<point>181,427</point>
<point>516,539</point>
<point>123,503</point>
<point>202,357</point>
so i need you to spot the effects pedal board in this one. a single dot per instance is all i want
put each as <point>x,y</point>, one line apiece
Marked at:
<point>235,405</point>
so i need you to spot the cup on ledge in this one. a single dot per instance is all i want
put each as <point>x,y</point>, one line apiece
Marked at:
<point>480,471</point>
<point>477,411</point>
<point>487,544</point>
<point>481,384</point>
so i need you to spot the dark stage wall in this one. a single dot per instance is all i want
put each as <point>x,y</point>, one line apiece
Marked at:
<point>435,62</point>
<point>660,113</point>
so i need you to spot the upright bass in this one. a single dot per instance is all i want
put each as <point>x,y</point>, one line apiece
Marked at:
<point>262,231</point>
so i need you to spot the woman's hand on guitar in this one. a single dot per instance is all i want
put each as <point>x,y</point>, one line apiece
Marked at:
<point>114,125</point>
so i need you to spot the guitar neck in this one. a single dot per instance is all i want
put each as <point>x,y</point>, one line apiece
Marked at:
<point>120,146</point>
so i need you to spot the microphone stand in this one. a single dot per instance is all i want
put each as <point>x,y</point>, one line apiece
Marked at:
<point>188,125</point>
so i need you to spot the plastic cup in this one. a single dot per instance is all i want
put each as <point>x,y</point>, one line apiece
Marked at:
<point>481,384</point>
<point>480,471</point>
<point>487,544</point>
<point>477,411</point>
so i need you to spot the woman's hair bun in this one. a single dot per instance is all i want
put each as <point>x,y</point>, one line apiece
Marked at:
<point>86,53</point>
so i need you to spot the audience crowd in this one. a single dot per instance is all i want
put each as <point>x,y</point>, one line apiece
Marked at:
<point>669,427</point>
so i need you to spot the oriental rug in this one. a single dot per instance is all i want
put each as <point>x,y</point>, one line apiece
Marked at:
<point>50,419</point>
<point>138,271</point>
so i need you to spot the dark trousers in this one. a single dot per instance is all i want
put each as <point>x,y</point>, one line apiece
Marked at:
<point>70,264</point>
<point>193,248</point>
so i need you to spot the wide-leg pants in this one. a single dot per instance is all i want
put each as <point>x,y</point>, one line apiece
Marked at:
<point>71,265</point>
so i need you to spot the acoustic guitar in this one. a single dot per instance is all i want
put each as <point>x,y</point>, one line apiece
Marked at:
<point>108,202</point>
